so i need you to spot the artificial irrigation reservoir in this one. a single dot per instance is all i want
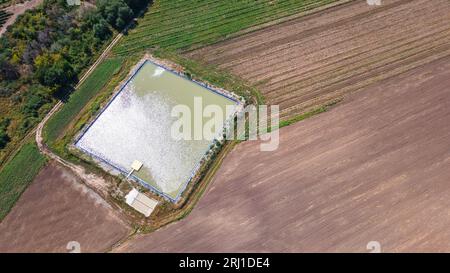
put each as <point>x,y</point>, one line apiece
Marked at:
<point>136,126</point>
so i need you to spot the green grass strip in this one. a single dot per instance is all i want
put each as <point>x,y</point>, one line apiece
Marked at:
<point>203,22</point>
<point>17,174</point>
<point>88,90</point>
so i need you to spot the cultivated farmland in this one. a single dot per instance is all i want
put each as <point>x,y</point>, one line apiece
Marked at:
<point>374,168</point>
<point>315,59</point>
<point>56,209</point>
<point>17,175</point>
<point>181,24</point>
<point>12,10</point>
<point>4,16</point>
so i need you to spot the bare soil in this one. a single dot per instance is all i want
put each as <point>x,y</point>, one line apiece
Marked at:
<point>56,209</point>
<point>374,168</point>
<point>310,61</point>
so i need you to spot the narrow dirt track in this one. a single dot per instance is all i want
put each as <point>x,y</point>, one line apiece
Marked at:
<point>17,10</point>
<point>97,227</point>
<point>56,209</point>
<point>375,168</point>
<point>96,183</point>
<point>309,61</point>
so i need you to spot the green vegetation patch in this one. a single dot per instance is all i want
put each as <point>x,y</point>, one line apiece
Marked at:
<point>43,54</point>
<point>309,114</point>
<point>17,174</point>
<point>214,75</point>
<point>89,89</point>
<point>180,24</point>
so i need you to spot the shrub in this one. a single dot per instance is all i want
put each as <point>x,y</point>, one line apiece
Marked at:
<point>4,138</point>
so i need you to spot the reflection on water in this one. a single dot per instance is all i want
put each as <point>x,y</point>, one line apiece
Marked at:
<point>137,126</point>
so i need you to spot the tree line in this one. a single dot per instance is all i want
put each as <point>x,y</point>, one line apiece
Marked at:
<point>45,50</point>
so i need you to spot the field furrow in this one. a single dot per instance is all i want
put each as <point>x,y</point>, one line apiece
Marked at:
<point>332,44</point>
<point>312,60</point>
<point>349,69</point>
<point>288,35</point>
<point>170,25</point>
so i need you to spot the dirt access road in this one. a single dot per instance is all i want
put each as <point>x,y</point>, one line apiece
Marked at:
<point>56,209</point>
<point>17,10</point>
<point>95,182</point>
<point>315,59</point>
<point>374,168</point>
<point>63,205</point>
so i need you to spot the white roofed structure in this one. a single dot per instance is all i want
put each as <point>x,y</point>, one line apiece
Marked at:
<point>141,202</point>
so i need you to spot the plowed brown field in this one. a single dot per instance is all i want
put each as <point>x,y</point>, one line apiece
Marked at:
<point>315,59</point>
<point>374,168</point>
<point>57,209</point>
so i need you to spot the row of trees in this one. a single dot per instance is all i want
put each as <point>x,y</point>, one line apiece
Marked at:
<point>4,138</point>
<point>42,53</point>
